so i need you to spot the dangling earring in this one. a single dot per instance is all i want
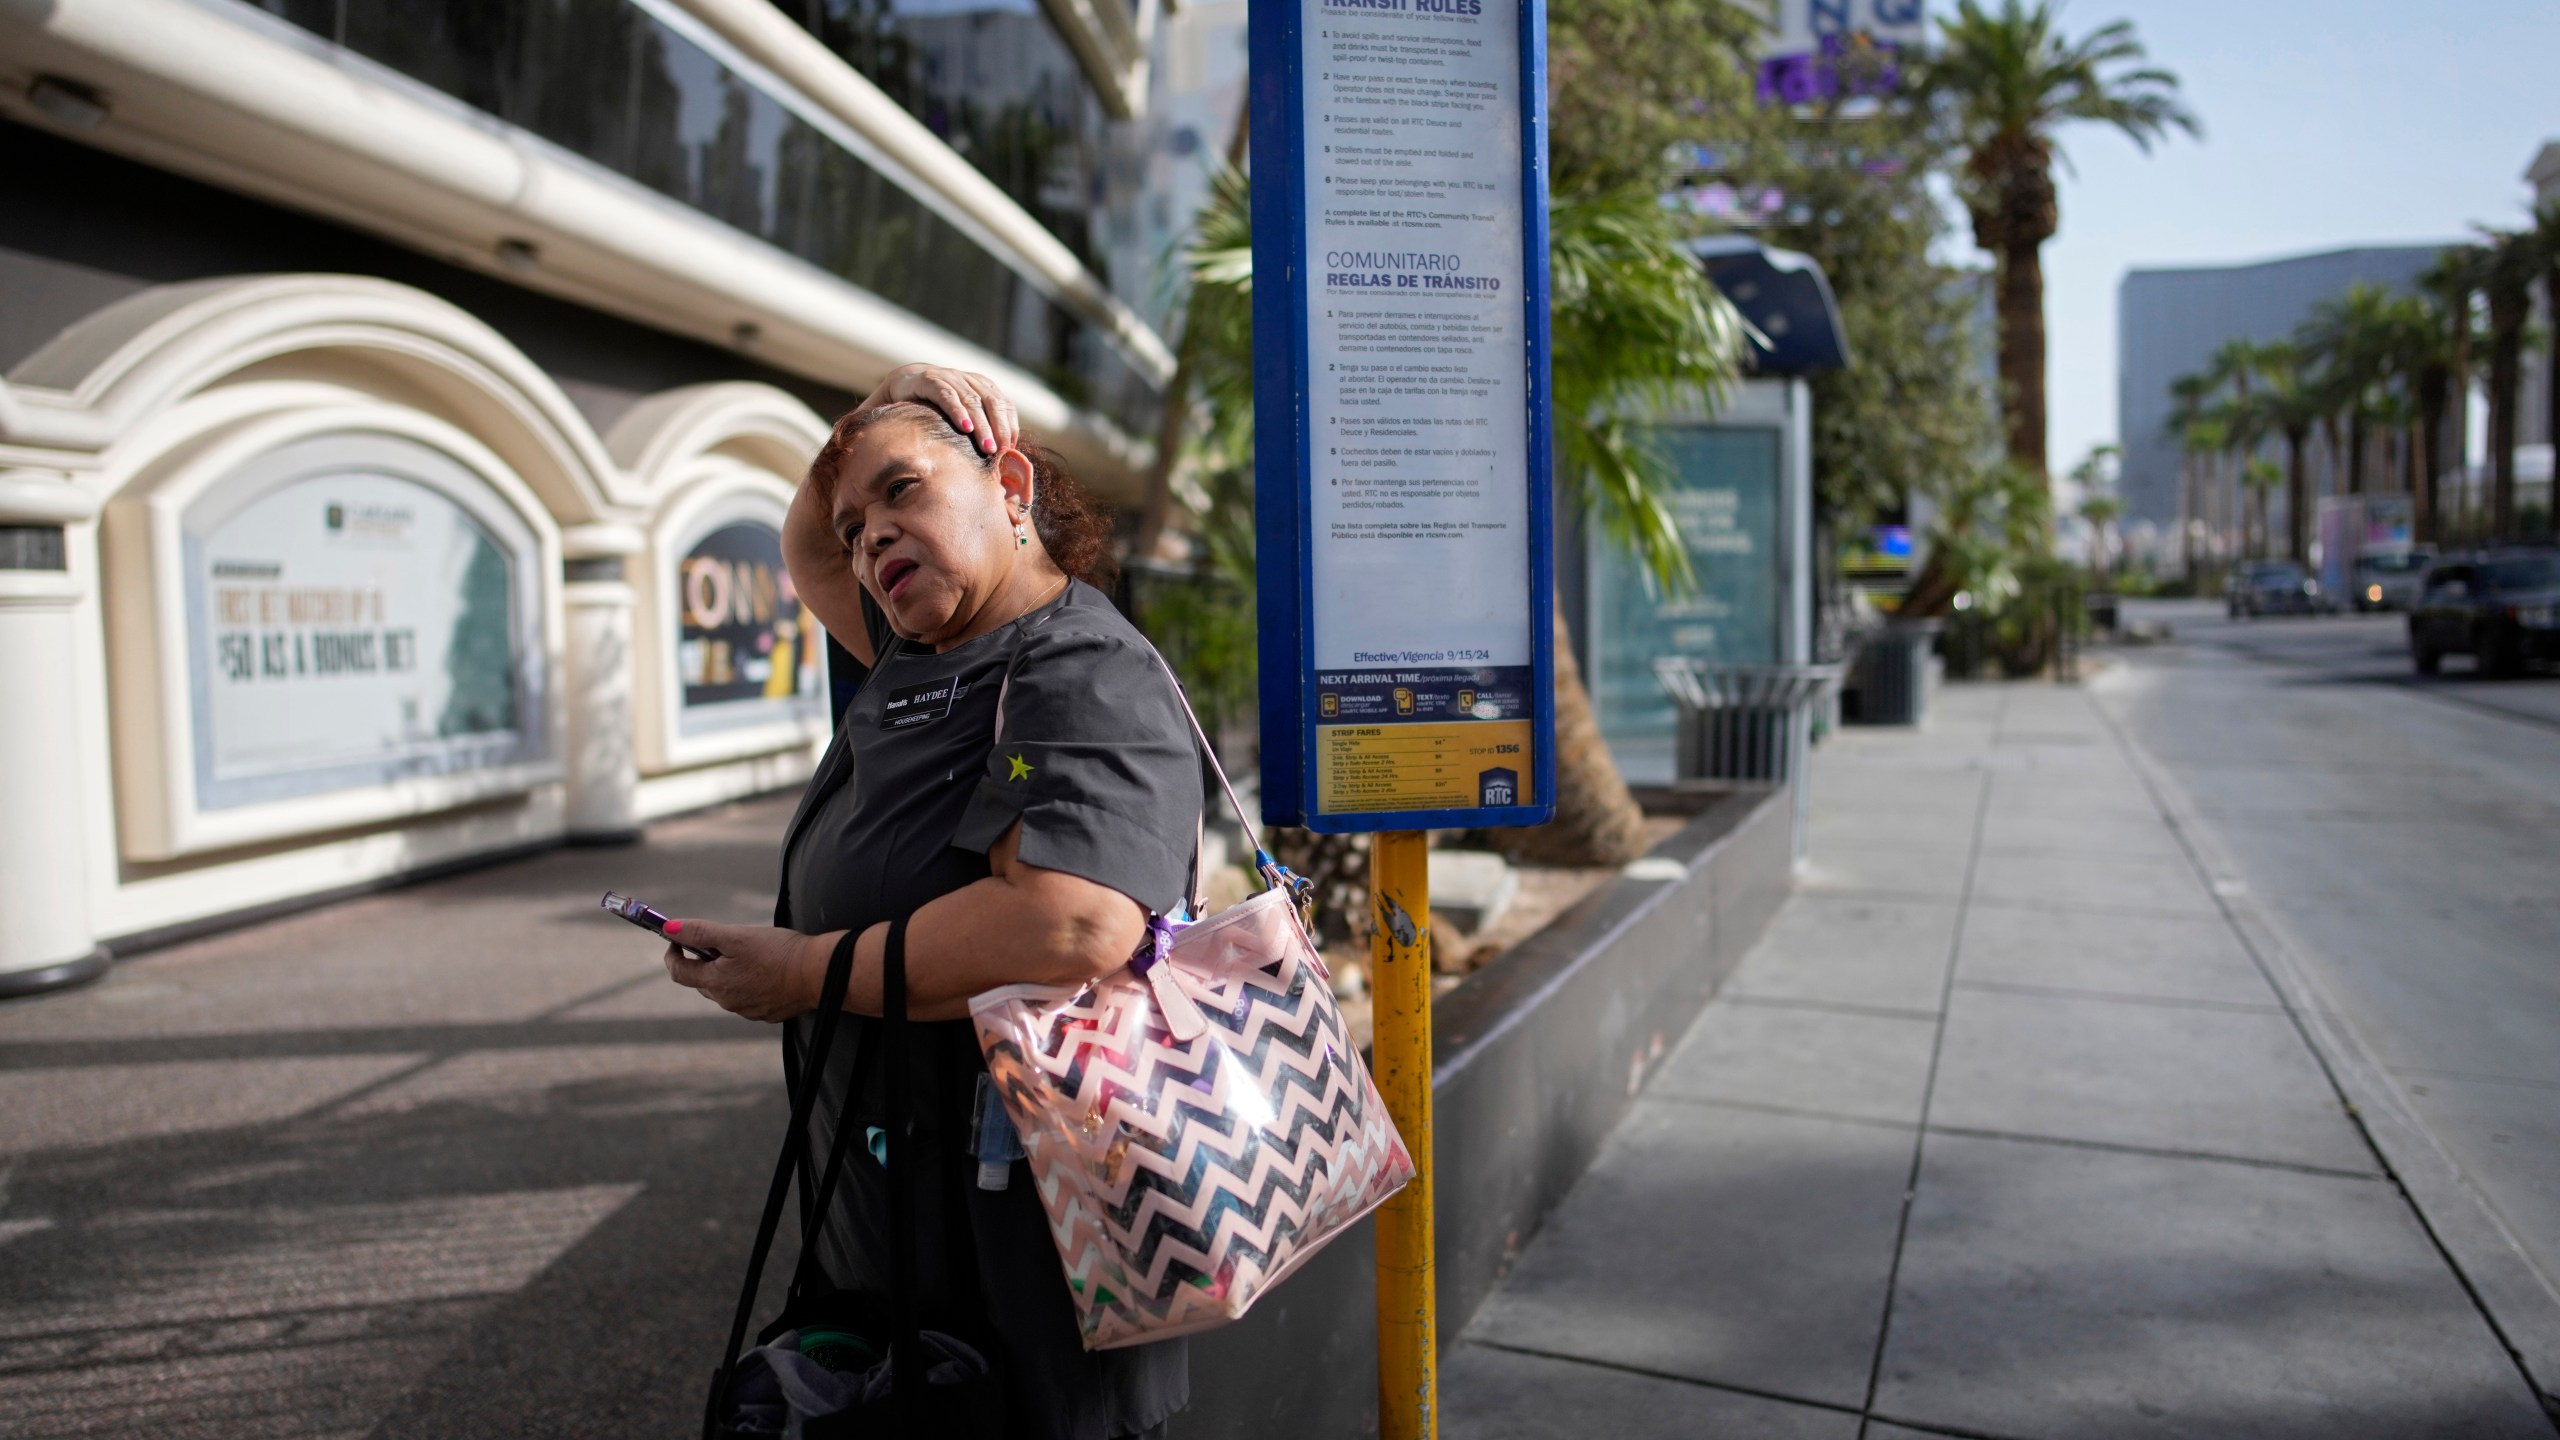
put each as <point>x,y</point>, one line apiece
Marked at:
<point>1020,535</point>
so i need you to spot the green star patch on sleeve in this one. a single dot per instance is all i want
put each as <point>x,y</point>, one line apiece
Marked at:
<point>1021,767</point>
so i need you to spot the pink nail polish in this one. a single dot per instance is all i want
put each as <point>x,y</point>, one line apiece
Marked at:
<point>675,927</point>
<point>967,426</point>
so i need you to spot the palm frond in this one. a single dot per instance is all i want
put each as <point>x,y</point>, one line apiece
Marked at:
<point>1635,325</point>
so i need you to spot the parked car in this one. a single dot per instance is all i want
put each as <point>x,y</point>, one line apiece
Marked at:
<point>2502,606</point>
<point>2271,587</point>
<point>2391,579</point>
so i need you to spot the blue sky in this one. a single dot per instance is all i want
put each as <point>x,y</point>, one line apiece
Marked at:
<point>2326,124</point>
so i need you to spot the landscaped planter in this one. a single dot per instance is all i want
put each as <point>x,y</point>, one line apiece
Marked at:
<point>1538,1055</point>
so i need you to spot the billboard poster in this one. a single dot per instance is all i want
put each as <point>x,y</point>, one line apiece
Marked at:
<point>1731,522</point>
<point>1810,39</point>
<point>742,639</point>
<point>352,625</point>
<point>1398,182</point>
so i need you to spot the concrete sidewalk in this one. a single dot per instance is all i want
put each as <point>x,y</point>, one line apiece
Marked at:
<point>2001,1132</point>
<point>450,1161</point>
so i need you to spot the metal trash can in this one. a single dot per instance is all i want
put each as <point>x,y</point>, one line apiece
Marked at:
<point>1740,722</point>
<point>1893,675</point>
<point>1746,722</point>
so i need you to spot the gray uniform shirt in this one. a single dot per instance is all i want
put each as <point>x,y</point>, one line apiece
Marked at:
<point>1098,764</point>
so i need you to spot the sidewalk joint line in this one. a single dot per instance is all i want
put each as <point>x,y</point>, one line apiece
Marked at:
<point>1950,1431</point>
<point>1929,1085</point>
<point>2159,1152</point>
<point>2473,1076</point>
<point>1860,892</point>
<point>1625,1368</point>
<point>1832,1007</point>
<point>2119,997</point>
<point>1791,1112</point>
<point>2329,1071</point>
<point>600,993</point>
<point>2089,907</point>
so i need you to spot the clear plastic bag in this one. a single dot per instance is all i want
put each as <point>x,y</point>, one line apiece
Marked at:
<point>1198,1124</point>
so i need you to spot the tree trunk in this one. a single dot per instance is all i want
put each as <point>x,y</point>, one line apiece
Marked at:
<point>2505,360</point>
<point>2357,443</point>
<point>2190,514</point>
<point>2551,389</point>
<point>2231,498</point>
<point>2333,454</point>
<point>2022,351</point>
<point>2458,439</point>
<point>2429,453</point>
<point>2297,499</point>
<point>1932,592</point>
<point>1597,821</point>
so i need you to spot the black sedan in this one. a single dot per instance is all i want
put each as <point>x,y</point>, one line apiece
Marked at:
<point>2502,606</point>
<point>2271,587</point>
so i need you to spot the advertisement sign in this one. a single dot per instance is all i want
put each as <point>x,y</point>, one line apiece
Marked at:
<point>1726,498</point>
<point>356,613</point>
<point>1402,476</point>
<point>743,644</point>
<point>1811,39</point>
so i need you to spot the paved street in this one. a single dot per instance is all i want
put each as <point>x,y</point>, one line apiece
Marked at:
<point>2399,838</point>
<point>2139,1203</point>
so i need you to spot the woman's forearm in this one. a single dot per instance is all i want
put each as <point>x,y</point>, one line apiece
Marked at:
<point>821,570</point>
<point>1000,931</point>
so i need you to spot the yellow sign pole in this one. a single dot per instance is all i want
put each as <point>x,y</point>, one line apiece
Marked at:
<point>1400,990</point>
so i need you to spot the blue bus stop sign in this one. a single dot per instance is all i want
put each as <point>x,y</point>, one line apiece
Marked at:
<point>1402,472</point>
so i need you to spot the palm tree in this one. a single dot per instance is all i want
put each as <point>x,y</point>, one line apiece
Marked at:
<point>2011,82</point>
<point>2287,401</point>
<point>2239,426</point>
<point>1155,510</point>
<point>1635,320</point>
<point>2439,383</point>
<point>2186,396</point>
<point>2231,521</point>
<point>2098,504</point>
<point>2260,478</point>
<point>2546,244</point>
<point>2101,511</point>
<point>2452,280</point>
<point>1636,324</point>
<point>2508,269</point>
<point>2351,340</point>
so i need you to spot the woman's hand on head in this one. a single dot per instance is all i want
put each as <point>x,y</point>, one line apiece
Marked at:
<point>970,400</point>
<point>762,973</point>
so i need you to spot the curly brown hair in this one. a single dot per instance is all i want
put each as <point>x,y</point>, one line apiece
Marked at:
<point>1073,528</point>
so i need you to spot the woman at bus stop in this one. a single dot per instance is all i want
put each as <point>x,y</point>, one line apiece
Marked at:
<point>958,563</point>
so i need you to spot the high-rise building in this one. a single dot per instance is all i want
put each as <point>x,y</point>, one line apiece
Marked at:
<point>2169,321</point>
<point>401,400</point>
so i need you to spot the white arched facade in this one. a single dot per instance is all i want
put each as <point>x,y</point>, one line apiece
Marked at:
<point>317,580</point>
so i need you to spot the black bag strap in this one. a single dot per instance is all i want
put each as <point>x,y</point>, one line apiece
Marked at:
<point>794,1147</point>
<point>813,1208</point>
<point>905,1173</point>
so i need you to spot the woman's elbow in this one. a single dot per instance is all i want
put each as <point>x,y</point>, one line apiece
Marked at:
<point>1094,940</point>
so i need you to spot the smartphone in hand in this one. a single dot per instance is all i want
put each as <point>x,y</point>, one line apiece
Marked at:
<point>639,913</point>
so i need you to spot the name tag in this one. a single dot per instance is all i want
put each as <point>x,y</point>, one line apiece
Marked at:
<point>918,704</point>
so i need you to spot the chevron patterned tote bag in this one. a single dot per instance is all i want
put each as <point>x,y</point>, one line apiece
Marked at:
<point>1198,1123</point>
